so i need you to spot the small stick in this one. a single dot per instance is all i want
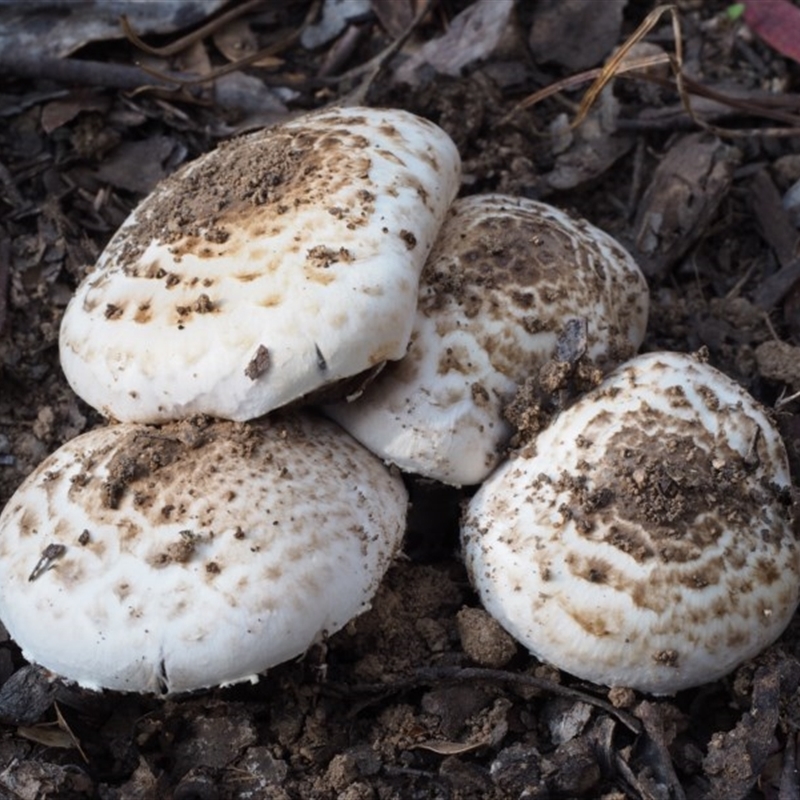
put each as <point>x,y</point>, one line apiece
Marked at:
<point>433,675</point>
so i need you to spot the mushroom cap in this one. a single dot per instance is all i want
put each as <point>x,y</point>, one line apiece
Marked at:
<point>505,276</point>
<point>278,263</point>
<point>643,539</point>
<point>196,554</point>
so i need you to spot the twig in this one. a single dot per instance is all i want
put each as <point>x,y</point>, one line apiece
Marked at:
<point>773,221</point>
<point>601,76</point>
<point>783,400</point>
<point>373,68</point>
<point>618,66</point>
<point>5,270</point>
<point>186,41</point>
<point>10,190</point>
<point>345,46</point>
<point>615,63</point>
<point>781,236</point>
<point>234,66</point>
<point>634,193</point>
<point>777,286</point>
<point>77,71</point>
<point>434,675</point>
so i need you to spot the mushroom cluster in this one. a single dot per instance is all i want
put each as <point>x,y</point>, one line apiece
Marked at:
<point>640,535</point>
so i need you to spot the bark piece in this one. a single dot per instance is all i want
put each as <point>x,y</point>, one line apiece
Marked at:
<point>683,197</point>
<point>575,33</point>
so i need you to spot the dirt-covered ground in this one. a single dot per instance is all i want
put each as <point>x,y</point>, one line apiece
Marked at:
<point>424,696</point>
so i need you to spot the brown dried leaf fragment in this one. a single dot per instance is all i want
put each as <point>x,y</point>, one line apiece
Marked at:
<point>686,190</point>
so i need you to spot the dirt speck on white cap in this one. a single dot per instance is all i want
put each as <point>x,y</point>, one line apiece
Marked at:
<point>645,538</point>
<point>195,554</point>
<point>282,261</point>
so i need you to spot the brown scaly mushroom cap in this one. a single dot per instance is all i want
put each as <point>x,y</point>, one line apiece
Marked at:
<point>195,554</point>
<point>280,262</point>
<point>645,538</point>
<point>505,277</point>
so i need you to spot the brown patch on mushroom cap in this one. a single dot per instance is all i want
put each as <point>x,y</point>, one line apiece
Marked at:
<point>205,200</point>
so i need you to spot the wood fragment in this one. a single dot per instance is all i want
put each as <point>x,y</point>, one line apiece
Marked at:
<point>736,759</point>
<point>190,38</point>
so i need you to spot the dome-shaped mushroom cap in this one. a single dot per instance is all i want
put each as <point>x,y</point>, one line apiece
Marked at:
<point>644,539</point>
<point>278,263</point>
<point>505,277</point>
<point>177,558</point>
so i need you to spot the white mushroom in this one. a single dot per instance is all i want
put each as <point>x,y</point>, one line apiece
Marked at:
<point>505,279</point>
<point>169,559</point>
<point>280,262</point>
<point>644,539</point>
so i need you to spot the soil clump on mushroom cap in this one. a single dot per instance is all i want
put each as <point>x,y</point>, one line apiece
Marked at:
<point>667,488</point>
<point>202,202</point>
<point>142,454</point>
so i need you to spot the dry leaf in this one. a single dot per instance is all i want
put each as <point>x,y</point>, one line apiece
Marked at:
<point>64,726</point>
<point>590,150</point>
<point>394,15</point>
<point>236,40</point>
<point>138,166</point>
<point>473,35</point>
<point>59,112</point>
<point>686,189</point>
<point>336,16</point>
<point>48,735</point>
<point>777,22</point>
<point>575,33</point>
<point>444,748</point>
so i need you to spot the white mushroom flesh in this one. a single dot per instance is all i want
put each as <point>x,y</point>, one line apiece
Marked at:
<point>504,278</point>
<point>278,263</point>
<point>645,538</point>
<point>191,555</point>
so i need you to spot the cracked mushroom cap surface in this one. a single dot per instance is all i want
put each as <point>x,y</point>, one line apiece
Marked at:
<point>505,279</point>
<point>644,539</point>
<point>163,560</point>
<point>281,262</point>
